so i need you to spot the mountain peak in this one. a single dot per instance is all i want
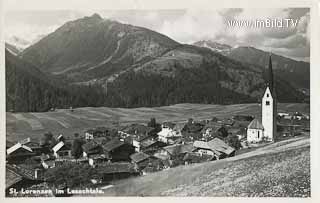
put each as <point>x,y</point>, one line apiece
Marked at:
<point>96,16</point>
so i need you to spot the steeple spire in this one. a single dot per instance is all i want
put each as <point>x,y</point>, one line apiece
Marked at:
<point>270,75</point>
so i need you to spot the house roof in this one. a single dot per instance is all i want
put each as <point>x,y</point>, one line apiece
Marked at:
<point>113,144</point>
<point>201,144</point>
<point>18,146</point>
<point>219,145</point>
<point>138,157</point>
<point>58,146</point>
<point>178,149</point>
<point>12,177</point>
<point>101,140</point>
<point>255,124</point>
<point>15,174</point>
<point>216,145</point>
<point>89,146</point>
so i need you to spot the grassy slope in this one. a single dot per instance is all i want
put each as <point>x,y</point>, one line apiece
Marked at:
<point>281,169</point>
<point>21,125</point>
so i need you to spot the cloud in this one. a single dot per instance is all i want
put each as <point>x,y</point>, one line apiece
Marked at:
<point>185,26</point>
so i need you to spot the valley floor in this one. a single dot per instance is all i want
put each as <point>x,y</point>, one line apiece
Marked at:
<point>281,169</point>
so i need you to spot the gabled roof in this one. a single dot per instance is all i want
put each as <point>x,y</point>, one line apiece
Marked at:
<point>113,144</point>
<point>58,146</point>
<point>178,149</point>
<point>219,145</point>
<point>216,145</point>
<point>255,124</point>
<point>138,157</point>
<point>18,146</point>
<point>12,177</point>
<point>89,146</point>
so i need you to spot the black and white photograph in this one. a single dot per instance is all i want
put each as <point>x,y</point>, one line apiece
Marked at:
<point>211,102</point>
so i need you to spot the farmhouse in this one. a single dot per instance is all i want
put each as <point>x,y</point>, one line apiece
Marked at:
<point>212,130</point>
<point>151,146</point>
<point>18,153</point>
<point>137,133</point>
<point>97,132</point>
<point>255,131</point>
<point>170,132</point>
<point>91,148</point>
<point>62,150</point>
<point>117,150</point>
<point>216,148</point>
<point>17,177</point>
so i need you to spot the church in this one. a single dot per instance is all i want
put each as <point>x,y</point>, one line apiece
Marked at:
<point>265,131</point>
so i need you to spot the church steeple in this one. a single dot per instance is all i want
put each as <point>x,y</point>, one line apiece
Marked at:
<point>270,76</point>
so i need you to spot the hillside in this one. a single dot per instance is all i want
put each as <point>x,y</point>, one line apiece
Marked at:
<point>29,89</point>
<point>84,48</point>
<point>281,169</point>
<point>296,73</point>
<point>23,125</point>
<point>140,67</point>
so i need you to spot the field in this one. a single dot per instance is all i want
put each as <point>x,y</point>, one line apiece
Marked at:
<point>280,169</point>
<point>22,125</point>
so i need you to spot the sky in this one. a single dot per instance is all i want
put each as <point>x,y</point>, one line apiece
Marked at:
<point>184,26</point>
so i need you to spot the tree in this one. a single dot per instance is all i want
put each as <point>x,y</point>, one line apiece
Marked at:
<point>153,123</point>
<point>234,141</point>
<point>76,150</point>
<point>47,140</point>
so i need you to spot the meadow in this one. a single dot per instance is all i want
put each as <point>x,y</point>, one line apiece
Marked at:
<point>67,122</point>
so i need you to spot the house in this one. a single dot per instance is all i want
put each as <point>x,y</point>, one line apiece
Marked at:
<point>140,159</point>
<point>34,145</point>
<point>19,153</point>
<point>110,172</point>
<point>62,150</point>
<point>174,153</point>
<point>18,178</point>
<point>255,131</point>
<point>117,150</point>
<point>59,138</point>
<point>136,133</point>
<point>170,132</point>
<point>151,146</point>
<point>91,148</point>
<point>216,148</point>
<point>97,132</point>
<point>95,159</point>
<point>212,130</point>
<point>47,161</point>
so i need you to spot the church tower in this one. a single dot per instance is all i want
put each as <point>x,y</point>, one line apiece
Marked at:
<point>269,107</point>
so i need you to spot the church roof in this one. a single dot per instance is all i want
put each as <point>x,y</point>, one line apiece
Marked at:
<point>255,124</point>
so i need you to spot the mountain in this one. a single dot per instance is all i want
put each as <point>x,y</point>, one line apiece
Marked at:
<point>214,46</point>
<point>18,42</point>
<point>295,72</point>
<point>140,67</point>
<point>12,49</point>
<point>29,89</point>
<point>91,47</point>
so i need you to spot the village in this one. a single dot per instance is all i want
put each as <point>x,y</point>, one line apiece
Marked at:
<point>139,149</point>
<point>98,157</point>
